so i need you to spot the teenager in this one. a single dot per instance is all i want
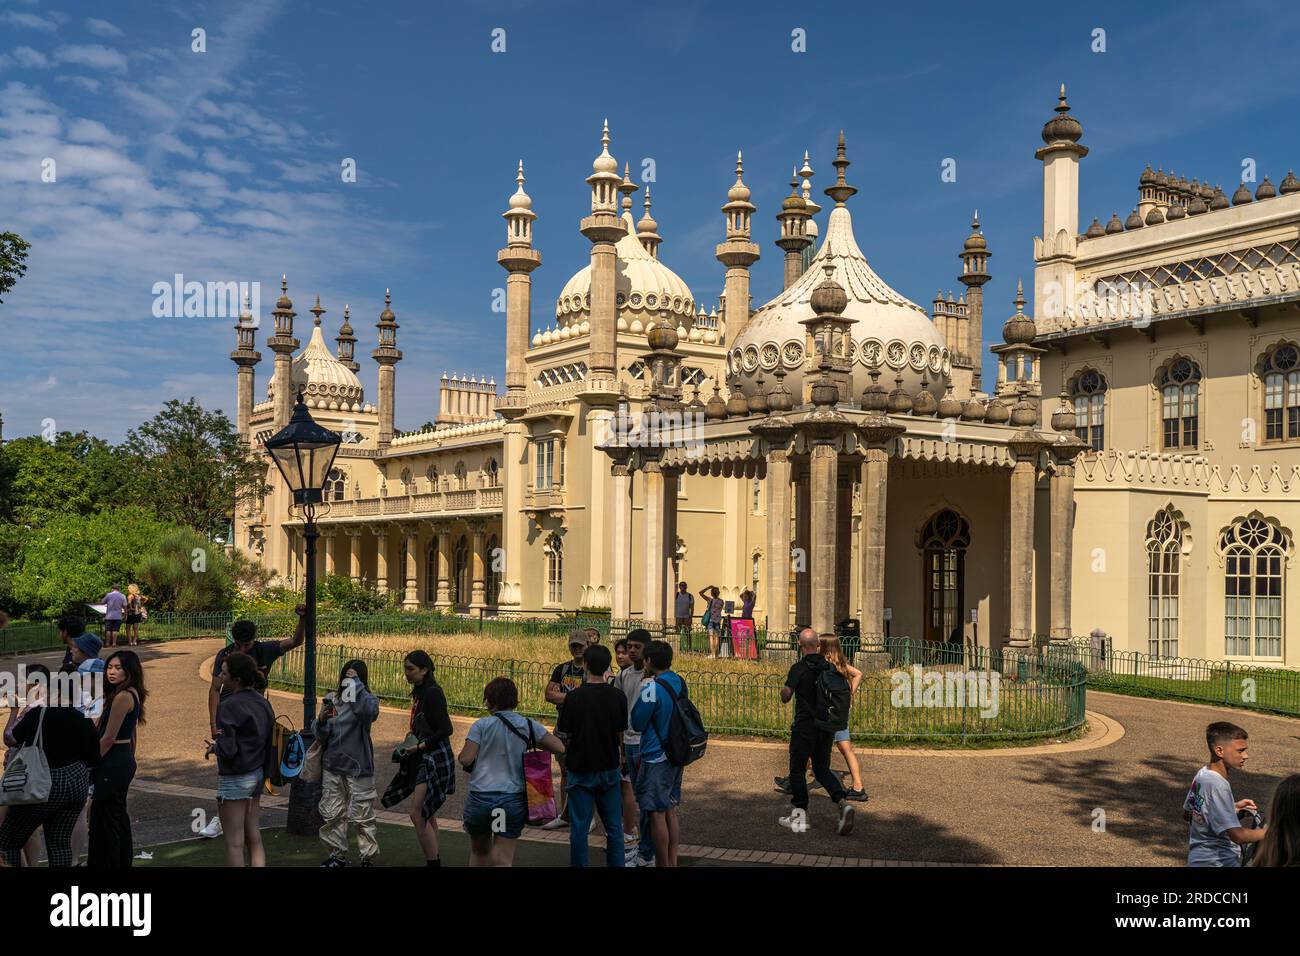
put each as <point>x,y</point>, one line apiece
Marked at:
<point>712,616</point>
<point>496,808</point>
<point>37,680</point>
<point>835,657</point>
<point>747,601</point>
<point>114,611</point>
<point>243,732</point>
<point>1215,836</point>
<point>135,612</point>
<point>593,720</point>
<point>636,823</point>
<point>426,766</point>
<point>565,678</point>
<point>1281,843</point>
<point>807,741</point>
<point>683,610</point>
<point>110,823</point>
<point>348,766</point>
<point>658,783</point>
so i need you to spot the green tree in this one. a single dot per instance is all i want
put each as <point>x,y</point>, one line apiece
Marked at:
<point>13,261</point>
<point>192,468</point>
<point>186,572</point>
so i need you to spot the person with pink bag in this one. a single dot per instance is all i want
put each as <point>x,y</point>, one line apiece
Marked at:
<point>497,806</point>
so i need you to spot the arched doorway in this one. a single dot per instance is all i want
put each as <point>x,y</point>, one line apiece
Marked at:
<point>944,541</point>
<point>431,571</point>
<point>460,573</point>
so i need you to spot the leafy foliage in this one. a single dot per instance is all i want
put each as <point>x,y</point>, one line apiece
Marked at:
<point>185,572</point>
<point>13,260</point>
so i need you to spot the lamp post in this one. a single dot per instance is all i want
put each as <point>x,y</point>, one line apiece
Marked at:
<point>304,452</point>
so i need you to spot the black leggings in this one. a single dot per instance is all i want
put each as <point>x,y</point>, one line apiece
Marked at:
<point>110,824</point>
<point>56,817</point>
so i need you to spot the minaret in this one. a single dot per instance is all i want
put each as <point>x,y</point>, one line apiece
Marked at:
<point>519,259</point>
<point>387,355</point>
<point>627,188</point>
<point>1018,363</point>
<point>793,218</point>
<point>603,228</point>
<point>245,356</point>
<point>806,174</point>
<point>974,258</point>
<point>737,253</point>
<point>1054,249</point>
<point>347,341</point>
<point>647,229</point>
<point>283,344</point>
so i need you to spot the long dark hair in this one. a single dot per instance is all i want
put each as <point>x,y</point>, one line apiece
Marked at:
<point>244,669</point>
<point>1281,844</point>
<point>363,673</point>
<point>134,671</point>
<point>423,661</point>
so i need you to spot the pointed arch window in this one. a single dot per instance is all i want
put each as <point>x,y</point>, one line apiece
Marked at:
<point>554,571</point>
<point>460,573</point>
<point>1281,380</point>
<point>944,541</point>
<point>1164,547</point>
<point>432,475</point>
<point>1090,409</point>
<point>492,473</point>
<point>336,485</point>
<point>1180,396</point>
<point>1254,556</point>
<point>461,483</point>
<point>493,583</point>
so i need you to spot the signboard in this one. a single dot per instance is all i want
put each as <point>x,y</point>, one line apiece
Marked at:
<point>743,642</point>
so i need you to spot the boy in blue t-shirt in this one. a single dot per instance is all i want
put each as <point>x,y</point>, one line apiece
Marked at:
<point>1215,835</point>
<point>658,786</point>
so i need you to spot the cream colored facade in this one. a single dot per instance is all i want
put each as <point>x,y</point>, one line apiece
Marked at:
<point>831,449</point>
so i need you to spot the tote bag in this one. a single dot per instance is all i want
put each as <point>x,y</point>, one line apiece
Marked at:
<point>539,786</point>
<point>27,775</point>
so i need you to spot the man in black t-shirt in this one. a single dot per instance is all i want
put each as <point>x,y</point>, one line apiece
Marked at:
<point>807,741</point>
<point>243,636</point>
<point>565,678</point>
<point>592,721</point>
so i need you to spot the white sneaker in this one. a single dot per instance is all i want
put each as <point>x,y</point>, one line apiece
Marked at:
<point>631,839</point>
<point>846,818</point>
<point>559,823</point>
<point>635,859</point>
<point>796,822</point>
<point>213,829</point>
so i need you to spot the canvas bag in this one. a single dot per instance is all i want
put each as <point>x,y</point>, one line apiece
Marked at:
<point>539,787</point>
<point>27,775</point>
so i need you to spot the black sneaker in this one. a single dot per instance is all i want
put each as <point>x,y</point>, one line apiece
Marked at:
<point>335,863</point>
<point>859,795</point>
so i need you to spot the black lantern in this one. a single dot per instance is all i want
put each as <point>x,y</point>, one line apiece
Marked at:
<point>304,452</point>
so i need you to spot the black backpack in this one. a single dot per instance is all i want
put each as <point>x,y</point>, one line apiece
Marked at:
<point>834,698</point>
<point>687,737</point>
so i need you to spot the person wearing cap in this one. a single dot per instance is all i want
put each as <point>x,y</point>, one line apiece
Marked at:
<point>565,678</point>
<point>85,655</point>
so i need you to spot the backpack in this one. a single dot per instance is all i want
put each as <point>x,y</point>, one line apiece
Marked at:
<point>833,700</point>
<point>285,752</point>
<point>687,737</point>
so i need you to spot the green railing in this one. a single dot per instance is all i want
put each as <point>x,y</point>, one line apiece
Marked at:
<point>1024,695</point>
<point>1254,686</point>
<point>32,637</point>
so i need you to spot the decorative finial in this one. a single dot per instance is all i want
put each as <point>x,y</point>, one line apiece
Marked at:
<point>1061,105</point>
<point>841,190</point>
<point>317,311</point>
<point>975,223</point>
<point>1020,297</point>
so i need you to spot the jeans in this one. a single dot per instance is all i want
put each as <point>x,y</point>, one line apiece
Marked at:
<point>601,789</point>
<point>646,847</point>
<point>809,743</point>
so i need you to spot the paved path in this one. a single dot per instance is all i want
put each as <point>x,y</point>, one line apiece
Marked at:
<point>990,807</point>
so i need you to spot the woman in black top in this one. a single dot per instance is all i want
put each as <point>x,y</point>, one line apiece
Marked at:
<point>71,746</point>
<point>110,824</point>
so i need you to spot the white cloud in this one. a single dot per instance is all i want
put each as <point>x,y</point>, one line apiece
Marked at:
<point>216,159</point>
<point>89,84</point>
<point>30,59</point>
<point>102,28</point>
<point>93,131</point>
<point>31,21</point>
<point>94,55</point>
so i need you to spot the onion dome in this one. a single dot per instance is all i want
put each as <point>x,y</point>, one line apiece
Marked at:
<point>824,392</point>
<point>605,163</point>
<point>997,413</point>
<point>1289,184</point>
<point>779,399</point>
<point>829,298</point>
<point>973,410</point>
<point>662,336</point>
<point>739,192</point>
<point>1197,205</point>
<point>715,409</point>
<point>1176,211</point>
<point>1096,229</point>
<point>323,380</point>
<point>1219,200</point>
<point>1019,329</point>
<point>387,314</point>
<point>949,406</point>
<point>1025,413</point>
<point>284,303</point>
<point>695,405</point>
<point>521,199</point>
<point>1134,221</point>
<point>1148,177</point>
<point>975,241</point>
<point>737,405</point>
<point>1062,126</point>
<point>1155,217</point>
<point>875,397</point>
<point>1114,225</point>
<point>647,225</point>
<point>1161,179</point>
<point>1266,190</point>
<point>794,200</point>
<point>1241,196</point>
<point>899,400</point>
<point>924,403</point>
<point>1063,419</point>
<point>758,399</point>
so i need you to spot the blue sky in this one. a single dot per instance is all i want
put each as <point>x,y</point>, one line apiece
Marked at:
<point>225,165</point>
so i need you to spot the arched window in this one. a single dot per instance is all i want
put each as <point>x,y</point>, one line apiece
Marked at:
<point>554,571</point>
<point>1282,394</point>
<point>407,481</point>
<point>1090,409</point>
<point>432,475</point>
<point>1254,555</point>
<point>336,485</point>
<point>1164,565</point>
<point>431,570</point>
<point>944,541</point>
<point>493,559</point>
<point>460,573</point>
<point>461,483</point>
<point>757,497</point>
<point>491,473</point>
<point>1180,393</point>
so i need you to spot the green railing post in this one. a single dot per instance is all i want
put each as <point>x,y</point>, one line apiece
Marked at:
<point>1227,682</point>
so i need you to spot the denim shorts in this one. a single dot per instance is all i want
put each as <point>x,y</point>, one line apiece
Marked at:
<point>239,786</point>
<point>658,787</point>
<point>841,735</point>
<point>482,818</point>
<point>631,761</point>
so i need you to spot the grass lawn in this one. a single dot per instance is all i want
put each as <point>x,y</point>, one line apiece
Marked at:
<point>397,847</point>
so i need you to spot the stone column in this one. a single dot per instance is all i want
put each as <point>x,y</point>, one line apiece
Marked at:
<point>621,597</point>
<point>778,540</point>
<point>354,554</point>
<point>654,542</point>
<point>672,479</point>
<point>1023,477</point>
<point>444,568</point>
<point>1062,495</point>
<point>478,587</point>
<point>381,558</point>
<point>411,600</point>
<point>514,524</point>
<point>823,495</point>
<point>875,495</point>
<point>598,517</point>
<point>330,545</point>
<point>843,544</point>
<point>803,550</point>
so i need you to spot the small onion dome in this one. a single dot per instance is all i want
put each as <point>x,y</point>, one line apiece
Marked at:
<point>1024,414</point>
<point>1241,196</point>
<point>1219,200</point>
<point>1148,176</point>
<point>794,200</point>
<point>875,397</point>
<point>1062,126</point>
<point>284,302</point>
<point>924,403</point>
<point>779,399</point>
<point>824,392</point>
<point>1134,221</point>
<point>663,337</point>
<point>715,409</point>
<point>605,163</point>
<point>1197,206</point>
<point>1063,419</point>
<point>647,225</point>
<point>1019,329</point>
<point>997,413</point>
<point>738,192</point>
<point>1289,184</point>
<point>975,241</point>
<point>1114,225</point>
<point>695,404</point>
<point>1155,217</point>
<point>1176,211</point>
<point>521,199</point>
<point>973,411</point>
<point>387,314</point>
<point>1266,190</point>
<point>1096,229</point>
<point>1161,178</point>
<point>829,298</point>
<point>949,406</point>
<point>899,401</point>
<point>758,401</point>
<point>1207,192</point>
<point>537,338</point>
<point>737,406</point>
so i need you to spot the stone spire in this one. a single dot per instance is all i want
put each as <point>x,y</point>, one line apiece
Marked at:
<point>387,356</point>
<point>347,342</point>
<point>737,253</point>
<point>283,344</point>
<point>316,312</point>
<point>627,188</point>
<point>974,273</point>
<point>647,229</point>
<point>793,238</point>
<point>1018,358</point>
<point>840,191</point>
<point>603,228</point>
<point>245,356</point>
<point>519,259</point>
<point>806,174</point>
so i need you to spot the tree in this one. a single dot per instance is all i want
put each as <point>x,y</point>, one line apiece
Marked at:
<point>192,468</point>
<point>186,572</point>
<point>74,474</point>
<point>13,261</point>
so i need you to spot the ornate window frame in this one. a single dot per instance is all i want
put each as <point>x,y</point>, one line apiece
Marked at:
<point>1173,384</point>
<point>1086,402</point>
<point>1269,365</point>
<point>1255,552</point>
<point>1166,544</point>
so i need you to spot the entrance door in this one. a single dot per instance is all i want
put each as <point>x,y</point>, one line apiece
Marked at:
<point>944,541</point>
